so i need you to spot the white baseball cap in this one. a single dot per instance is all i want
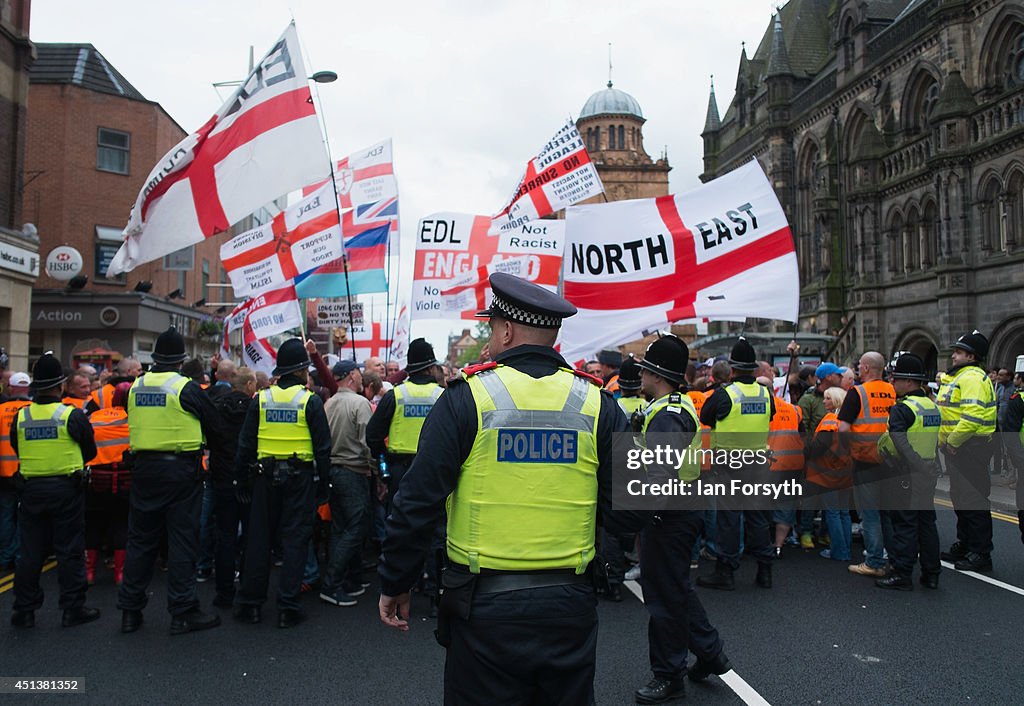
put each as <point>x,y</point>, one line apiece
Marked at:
<point>20,380</point>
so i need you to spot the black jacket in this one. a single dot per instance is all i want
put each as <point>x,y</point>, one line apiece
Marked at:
<point>449,433</point>
<point>232,407</point>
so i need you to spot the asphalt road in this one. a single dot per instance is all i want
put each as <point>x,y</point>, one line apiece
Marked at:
<point>821,636</point>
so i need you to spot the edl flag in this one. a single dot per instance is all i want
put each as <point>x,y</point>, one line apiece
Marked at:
<point>263,142</point>
<point>723,251</point>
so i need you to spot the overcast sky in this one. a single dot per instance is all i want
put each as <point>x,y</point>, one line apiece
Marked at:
<point>468,90</point>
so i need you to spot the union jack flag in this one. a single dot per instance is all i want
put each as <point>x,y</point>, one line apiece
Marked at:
<point>363,217</point>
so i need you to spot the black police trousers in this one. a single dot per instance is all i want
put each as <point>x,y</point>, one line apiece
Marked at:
<point>677,618</point>
<point>290,507</point>
<point>52,511</point>
<point>528,648</point>
<point>913,534</point>
<point>228,513</point>
<point>166,495</point>
<point>970,486</point>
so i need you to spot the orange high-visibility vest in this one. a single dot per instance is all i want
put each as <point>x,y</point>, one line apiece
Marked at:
<point>103,397</point>
<point>834,469</point>
<point>9,459</point>
<point>76,402</point>
<point>705,438</point>
<point>110,428</point>
<point>876,397</point>
<point>784,437</point>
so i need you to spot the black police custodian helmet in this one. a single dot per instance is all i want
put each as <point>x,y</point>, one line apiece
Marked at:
<point>973,342</point>
<point>667,357</point>
<point>47,373</point>
<point>743,356</point>
<point>629,374</point>
<point>421,356</point>
<point>170,347</point>
<point>524,302</point>
<point>611,358</point>
<point>909,367</point>
<point>291,356</point>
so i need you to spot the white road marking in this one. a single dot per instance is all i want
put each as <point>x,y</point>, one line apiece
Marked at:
<point>995,582</point>
<point>733,680</point>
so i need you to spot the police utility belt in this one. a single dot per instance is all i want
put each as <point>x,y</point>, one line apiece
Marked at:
<point>279,470</point>
<point>501,581</point>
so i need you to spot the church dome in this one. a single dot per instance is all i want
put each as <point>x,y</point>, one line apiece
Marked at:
<point>611,101</point>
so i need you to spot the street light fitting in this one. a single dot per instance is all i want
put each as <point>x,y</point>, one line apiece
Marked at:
<point>324,77</point>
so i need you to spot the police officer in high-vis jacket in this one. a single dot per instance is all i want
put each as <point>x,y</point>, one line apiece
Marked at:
<point>283,464</point>
<point>521,449</point>
<point>169,417</point>
<point>394,429</point>
<point>678,621</point>
<point>53,442</point>
<point>629,385</point>
<point>740,414</point>
<point>967,402</point>
<point>910,447</point>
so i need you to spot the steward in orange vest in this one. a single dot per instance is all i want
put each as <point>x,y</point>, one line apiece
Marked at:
<point>829,465</point>
<point>785,438</point>
<point>106,503</point>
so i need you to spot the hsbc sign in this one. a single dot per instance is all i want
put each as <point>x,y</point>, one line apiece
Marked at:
<point>63,263</point>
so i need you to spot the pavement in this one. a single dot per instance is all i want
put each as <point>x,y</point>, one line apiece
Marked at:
<point>821,636</point>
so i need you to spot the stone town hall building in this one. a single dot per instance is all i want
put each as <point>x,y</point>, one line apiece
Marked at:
<point>893,133</point>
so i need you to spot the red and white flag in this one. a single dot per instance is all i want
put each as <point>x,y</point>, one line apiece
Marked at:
<point>299,239</point>
<point>268,313</point>
<point>464,291</point>
<point>370,340</point>
<point>721,252</point>
<point>364,177</point>
<point>400,337</point>
<point>561,175</point>
<point>263,142</point>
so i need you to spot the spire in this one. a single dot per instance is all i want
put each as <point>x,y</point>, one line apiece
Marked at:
<point>778,58</point>
<point>743,72</point>
<point>712,122</point>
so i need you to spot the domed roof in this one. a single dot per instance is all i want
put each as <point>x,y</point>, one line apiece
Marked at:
<point>611,101</point>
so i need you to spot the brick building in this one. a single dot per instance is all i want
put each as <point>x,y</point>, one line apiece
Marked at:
<point>892,131</point>
<point>92,140</point>
<point>19,260</point>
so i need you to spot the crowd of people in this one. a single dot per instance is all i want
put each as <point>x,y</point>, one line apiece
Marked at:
<point>221,473</point>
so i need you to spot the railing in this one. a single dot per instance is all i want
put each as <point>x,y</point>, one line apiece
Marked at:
<point>908,159</point>
<point>1005,115</point>
<point>815,93</point>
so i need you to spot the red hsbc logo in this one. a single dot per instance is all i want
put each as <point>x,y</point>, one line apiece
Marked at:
<point>63,257</point>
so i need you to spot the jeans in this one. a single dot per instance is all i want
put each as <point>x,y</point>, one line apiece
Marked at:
<point>207,530</point>
<point>836,504</point>
<point>349,507</point>
<point>9,540</point>
<point>875,528</point>
<point>311,572</point>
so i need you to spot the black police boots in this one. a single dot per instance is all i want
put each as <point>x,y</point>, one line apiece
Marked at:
<point>193,621</point>
<point>721,579</point>
<point>290,618</point>
<point>614,592</point>
<point>23,619</point>
<point>764,574</point>
<point>930,581</point>
<point>896,582</point>
<point>701,670</point>
<point>248,614</point>
<point>659,690</point>
<point>131,620</point>
<point>956,552</point>
<point>79,616</point>
<point>973,561</point>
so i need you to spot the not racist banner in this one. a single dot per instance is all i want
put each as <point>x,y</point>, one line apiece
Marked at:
<point>559,176</point>
<point>300,239</point>
<point>451,249</point>
<point>723,251</point>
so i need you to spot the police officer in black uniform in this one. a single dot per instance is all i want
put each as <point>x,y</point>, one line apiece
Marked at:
<point>909,448</point>
<point>514,635</point>
<point>677,618</point>
<point>284,486</point>
<point>53,442</point>
<point>168,418</point>
<point>756,522</point>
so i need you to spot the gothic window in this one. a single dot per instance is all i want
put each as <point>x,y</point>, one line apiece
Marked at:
<point>807,176</point>
<point>1015,210</point>
<point>1015,63</point>
<point>622,137</point>
<point>1002,51</point>
<point>919,101</point>
<point>929,236</point>
<point>990,215</point>
<point>848,44</point>
<point>597,139</point>
<point>611,137</point>
<point>896,244</point>
<point>912,242</point>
